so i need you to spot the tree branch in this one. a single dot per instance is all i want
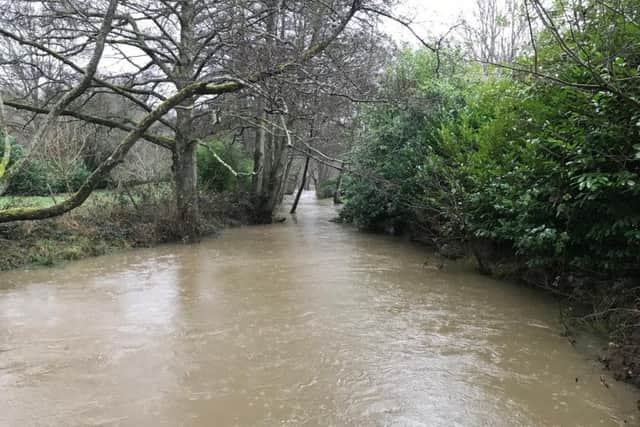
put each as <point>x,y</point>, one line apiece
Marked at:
<point>162,141</point>
<point>73,94</point>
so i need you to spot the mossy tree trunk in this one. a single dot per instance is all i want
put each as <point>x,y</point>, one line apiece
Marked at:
<point>337,199</point>
<point>266,139</point>
<point>184,154</point>
<point>186,190</point>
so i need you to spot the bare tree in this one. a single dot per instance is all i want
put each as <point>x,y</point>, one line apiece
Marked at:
<point>498,32</point>
<point>172,61</point>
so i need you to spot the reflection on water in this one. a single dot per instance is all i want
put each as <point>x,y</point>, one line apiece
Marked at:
<point>306,323</point>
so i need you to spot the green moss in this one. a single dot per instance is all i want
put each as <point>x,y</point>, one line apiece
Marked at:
<point>215,88</point>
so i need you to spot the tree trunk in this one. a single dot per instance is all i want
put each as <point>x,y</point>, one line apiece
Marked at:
<point>336,193</point>
<point>276,172</point>
<point>259,152</point>
<point>264,156</point>
<point>282,173</point>
<point>184,156</point>
<point>302,184</point>
<point>262,168</point>
<point>6,155</point>
<point>186,188</point>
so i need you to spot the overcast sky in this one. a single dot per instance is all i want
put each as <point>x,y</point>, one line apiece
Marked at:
<point>430,17</point>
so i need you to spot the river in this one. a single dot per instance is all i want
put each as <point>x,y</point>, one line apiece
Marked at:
<point>307,323</point>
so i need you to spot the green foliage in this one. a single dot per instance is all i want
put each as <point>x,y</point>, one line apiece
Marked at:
<point>37,178</point>
<point>326,189</point>
<point>561,184</point>
<point>5,146</point>
<point>405,157</point>
<point>215,176</point>
<point>550,170</point>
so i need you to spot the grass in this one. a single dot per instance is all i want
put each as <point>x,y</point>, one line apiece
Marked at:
<point>108,221</point>
<point>97,197</point>
<point>26,201</point>
<point>82,233</point>
<point>44,201</point>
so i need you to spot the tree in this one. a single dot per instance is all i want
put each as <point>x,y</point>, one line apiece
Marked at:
<point>172,61</point>
<point>498,31</point>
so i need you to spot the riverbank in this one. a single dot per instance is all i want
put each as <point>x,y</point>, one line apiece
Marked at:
<point>108,223</point>
<point>603,306</point>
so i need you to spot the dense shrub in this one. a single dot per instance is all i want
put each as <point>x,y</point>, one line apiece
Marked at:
<point>215,176</point>
<point>556,179</point>
<point>408,170</point>
<point>36,178</point>
<point>325,189</point>
<point>548,170</point>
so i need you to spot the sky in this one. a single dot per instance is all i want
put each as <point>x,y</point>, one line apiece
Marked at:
<point>430,17</point>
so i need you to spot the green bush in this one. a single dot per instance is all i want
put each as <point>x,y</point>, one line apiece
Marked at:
<point>215,176</point>
<point>326,189</point>
<point>36,178</point>
<point>557,181</point>
<point>407,166</point>
<point>550,171</point>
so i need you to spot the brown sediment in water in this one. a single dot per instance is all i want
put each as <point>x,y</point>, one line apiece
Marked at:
<point>304,323</point>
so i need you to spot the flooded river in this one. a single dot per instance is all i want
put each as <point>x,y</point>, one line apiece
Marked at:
<point>307,323</point>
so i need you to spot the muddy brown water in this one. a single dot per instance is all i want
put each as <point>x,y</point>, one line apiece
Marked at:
<point>307,323</point>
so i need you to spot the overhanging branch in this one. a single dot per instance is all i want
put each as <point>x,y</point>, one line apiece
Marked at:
<point>162,141</point>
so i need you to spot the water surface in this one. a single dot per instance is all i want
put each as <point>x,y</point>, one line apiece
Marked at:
<point>307,323</point>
